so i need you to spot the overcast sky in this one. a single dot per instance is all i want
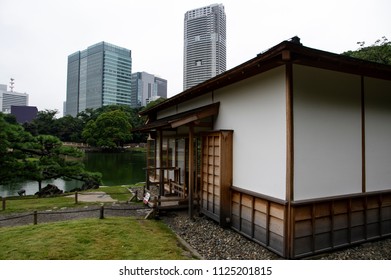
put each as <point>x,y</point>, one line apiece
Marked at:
<point>36,36</point>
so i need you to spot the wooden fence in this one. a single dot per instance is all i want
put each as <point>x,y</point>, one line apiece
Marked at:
<point>100,212</point>
<point>4,199</point>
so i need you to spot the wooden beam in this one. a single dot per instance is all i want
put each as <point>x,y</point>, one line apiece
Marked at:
<point>207,112</point>
<point>184,121</point>
<point>286,55</point>
<point>203,124</point>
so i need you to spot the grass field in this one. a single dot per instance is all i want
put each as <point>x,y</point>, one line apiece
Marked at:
<point>118,238</point>
<point>32,203</point>
<point>92,239</point>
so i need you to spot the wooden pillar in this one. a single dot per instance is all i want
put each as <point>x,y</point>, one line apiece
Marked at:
<point>226,176</point>
<point>191,171</point>
<point>161,171</point>
<point>289,219</point>
<point>363,168</point>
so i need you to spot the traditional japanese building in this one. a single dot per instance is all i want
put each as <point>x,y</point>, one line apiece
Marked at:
<point>290,149</point>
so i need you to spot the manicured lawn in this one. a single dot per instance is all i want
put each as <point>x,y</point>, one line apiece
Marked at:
<point>87,239</point>
<point>32,203</point>
<point>121,193</point>
<point>91,239</point>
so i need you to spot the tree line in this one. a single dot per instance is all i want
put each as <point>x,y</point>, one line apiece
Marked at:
<point>25,157</point>
<point>379,51</point>
<point>108,127</point>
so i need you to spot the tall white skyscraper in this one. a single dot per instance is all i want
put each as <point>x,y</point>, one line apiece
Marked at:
<point>204,44</point>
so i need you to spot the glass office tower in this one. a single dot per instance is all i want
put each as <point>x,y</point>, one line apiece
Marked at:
<point>204,44</point>
<point>98,76</point>
<point>146,88</point>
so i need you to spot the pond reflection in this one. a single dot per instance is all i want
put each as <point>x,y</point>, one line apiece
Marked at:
<point>117,169</point>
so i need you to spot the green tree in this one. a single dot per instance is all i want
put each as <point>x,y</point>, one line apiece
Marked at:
<point>47,159</point>
<point>379,52</point>
<point>154,103</point>
<point>11,119</point>
<point>137,121</point>
<point>69,129</point>
<point>11,159</point>
<point>44,123</point>
<point>25,157</point>
<point>88,115</point>
<point>111,130</point>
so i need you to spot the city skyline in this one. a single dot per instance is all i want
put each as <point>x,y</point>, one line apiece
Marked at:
<point>37,36</point>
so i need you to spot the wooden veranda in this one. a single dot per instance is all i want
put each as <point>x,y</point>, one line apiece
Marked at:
<point>174,158</point>
<point>164,191</point>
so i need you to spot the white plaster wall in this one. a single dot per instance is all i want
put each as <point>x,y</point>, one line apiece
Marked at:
<point>255,109</point>
<point>167,112</point>
<point>197,102</point>
<point>377,134</point>
<point>327,133</point>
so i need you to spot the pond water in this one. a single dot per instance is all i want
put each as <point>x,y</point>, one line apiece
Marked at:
<point>116,168</point>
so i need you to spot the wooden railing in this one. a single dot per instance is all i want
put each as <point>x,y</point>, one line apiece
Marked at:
<point>164,175</point>
<point>176,188</point>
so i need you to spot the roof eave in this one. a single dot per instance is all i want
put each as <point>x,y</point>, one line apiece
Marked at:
<point>285,52</point>
<point>230,76</point>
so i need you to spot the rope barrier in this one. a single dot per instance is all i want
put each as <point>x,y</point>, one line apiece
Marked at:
<point>125,209</point>
<point>67,212</point>
<point>93,192</point>
<point>101,209</point>
<point>16,217</point>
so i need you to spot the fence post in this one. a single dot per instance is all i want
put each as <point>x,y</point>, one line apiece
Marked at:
<point>102,215</point>
<point>35,217</point>
<point>76,198</point>
<point>3,203</point>
<point>156,204</point>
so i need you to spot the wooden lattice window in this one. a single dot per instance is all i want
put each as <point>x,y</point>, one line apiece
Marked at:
<point>216,175</point>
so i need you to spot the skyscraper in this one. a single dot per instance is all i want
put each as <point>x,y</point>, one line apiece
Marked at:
<point>146,88</point>
<point>98,76</point>
<point>204,44</point>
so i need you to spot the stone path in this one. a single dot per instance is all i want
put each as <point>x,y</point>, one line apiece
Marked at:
<point>94,197</point>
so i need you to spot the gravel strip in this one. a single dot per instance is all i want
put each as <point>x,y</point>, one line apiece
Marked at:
<point>214,243</point>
